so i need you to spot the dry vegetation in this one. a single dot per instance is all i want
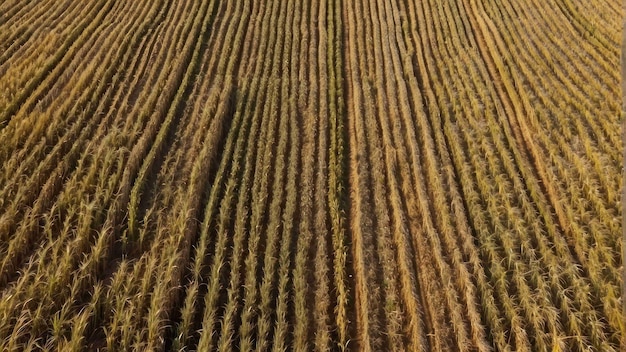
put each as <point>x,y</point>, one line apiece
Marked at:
<point>436,175</point>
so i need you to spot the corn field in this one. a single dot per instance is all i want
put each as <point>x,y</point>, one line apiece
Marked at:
<point>329,175</point>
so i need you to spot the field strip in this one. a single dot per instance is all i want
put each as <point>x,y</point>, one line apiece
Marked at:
<point>324,175</point>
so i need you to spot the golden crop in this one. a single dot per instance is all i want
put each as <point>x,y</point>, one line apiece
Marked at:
<point>437,175</point>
